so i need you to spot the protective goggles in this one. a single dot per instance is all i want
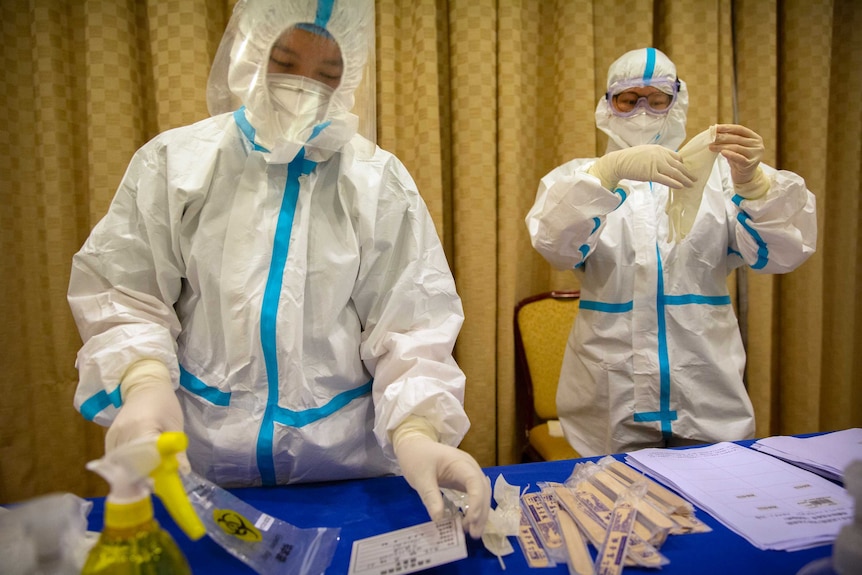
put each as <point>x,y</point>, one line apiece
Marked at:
<point>624,101</point>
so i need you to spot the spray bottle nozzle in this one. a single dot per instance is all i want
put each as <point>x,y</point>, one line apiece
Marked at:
<point>130,468</point>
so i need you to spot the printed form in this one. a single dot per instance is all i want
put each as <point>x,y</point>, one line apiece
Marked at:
<point>827,455</point>
<point>410,549</point>
<point>772,504</point>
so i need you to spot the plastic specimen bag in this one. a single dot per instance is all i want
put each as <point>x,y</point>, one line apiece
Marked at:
<point>266,544</point>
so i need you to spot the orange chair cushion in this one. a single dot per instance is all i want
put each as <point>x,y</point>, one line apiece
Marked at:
<point>545,325</point>
<point>551,448</point>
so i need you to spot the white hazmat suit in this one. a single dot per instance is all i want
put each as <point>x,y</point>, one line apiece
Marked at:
<point>293,283</point>
<point>655,354</point>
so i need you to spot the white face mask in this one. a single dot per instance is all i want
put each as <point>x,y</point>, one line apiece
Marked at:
<point>298,104</point>
<point>643,128</point>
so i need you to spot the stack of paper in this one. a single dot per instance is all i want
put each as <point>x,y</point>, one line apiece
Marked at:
<point>827,455</point>
<point>772,504</point>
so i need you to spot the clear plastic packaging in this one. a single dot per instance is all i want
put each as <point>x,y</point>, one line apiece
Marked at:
<point>543,520</point>
<point>503,520</point>
<point>46,535</point>
<point>593,511</point>
<point>611,555</point>
<point>266,544</point>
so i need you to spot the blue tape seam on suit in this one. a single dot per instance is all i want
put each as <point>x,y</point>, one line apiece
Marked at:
<point>99,401</point>
<point>103,399</point>
<point>650,63</point>
<point>664,415</point>
<point>269,311</point>
<point>324,13</point>
<point>273,414</point>
<point>762,249</point>
<point>199,388</point>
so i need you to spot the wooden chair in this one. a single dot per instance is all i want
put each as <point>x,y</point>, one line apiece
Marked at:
<point>542,326</point>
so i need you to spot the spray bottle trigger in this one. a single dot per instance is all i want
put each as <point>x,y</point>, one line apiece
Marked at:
<point>169,488</point>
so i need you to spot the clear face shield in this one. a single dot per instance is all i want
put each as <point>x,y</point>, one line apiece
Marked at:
<point>301,83</point>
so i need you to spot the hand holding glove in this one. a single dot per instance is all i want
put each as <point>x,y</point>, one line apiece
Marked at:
<point>429,465</point>
<point>150,407</point>
<point>743,150</point>
<point>647,163</point>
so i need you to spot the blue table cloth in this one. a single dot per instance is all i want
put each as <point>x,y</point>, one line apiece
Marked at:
<point>368,507</point>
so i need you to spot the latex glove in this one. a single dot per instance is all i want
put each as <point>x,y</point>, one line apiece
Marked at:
<point>429,465</point>
<point>743,149</point>
<point>647,163</point>
<point>150,407</point>
<point>683,204</point>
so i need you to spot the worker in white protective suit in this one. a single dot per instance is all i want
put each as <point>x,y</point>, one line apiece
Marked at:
<point>655,357</point>
<point>271,282</point>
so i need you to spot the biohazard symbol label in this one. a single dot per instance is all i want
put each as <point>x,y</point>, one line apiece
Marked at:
<point>235,524</point>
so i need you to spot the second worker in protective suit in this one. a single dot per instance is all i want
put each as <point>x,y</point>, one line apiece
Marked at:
<point>655,357</point>
<point>271,283</point>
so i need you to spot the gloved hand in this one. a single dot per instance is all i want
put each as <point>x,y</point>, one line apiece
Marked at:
<point>150,407</point>
<point>429,465</point>
<point>743,150</point>
<point>647,163</point>
<point>683,204</point>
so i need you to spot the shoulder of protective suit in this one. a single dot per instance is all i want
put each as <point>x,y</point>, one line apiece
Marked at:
<point>186,145</point>
<point>362,148</point>
<point>365,162</point>
<point>361,153</point>
<point>212,128</point>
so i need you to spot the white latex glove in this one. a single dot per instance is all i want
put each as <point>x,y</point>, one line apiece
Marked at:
<point>647,163</point>
<point>743,150</point>
<point>429,465</point>
<point>683,204</point>
<point>150,407</point>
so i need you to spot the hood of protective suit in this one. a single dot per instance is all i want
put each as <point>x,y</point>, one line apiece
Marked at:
<point>645,67</point>
<point>286,113</point>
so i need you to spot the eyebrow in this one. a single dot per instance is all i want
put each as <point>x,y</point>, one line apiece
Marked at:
<point>289,52</point>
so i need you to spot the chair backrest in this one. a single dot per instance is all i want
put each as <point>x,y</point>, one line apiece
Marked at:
<point>542,326</point>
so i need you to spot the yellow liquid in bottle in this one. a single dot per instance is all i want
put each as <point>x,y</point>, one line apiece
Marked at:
<point>146,549</point>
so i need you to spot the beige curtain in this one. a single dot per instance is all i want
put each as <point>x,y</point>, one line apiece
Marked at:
<point>479,98</point>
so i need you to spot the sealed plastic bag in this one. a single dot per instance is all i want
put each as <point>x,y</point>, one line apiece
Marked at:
<point>266,544</point>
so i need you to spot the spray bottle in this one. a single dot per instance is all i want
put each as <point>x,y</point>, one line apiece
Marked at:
<point>132,541</point>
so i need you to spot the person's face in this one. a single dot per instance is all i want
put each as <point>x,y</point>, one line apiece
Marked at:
<point>304,53</point>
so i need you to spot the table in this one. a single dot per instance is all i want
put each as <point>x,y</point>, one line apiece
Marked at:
<point>367,507</point>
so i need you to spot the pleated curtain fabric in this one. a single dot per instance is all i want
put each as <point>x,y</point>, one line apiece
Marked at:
<point>828,347</point>
<point>479,99</point>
